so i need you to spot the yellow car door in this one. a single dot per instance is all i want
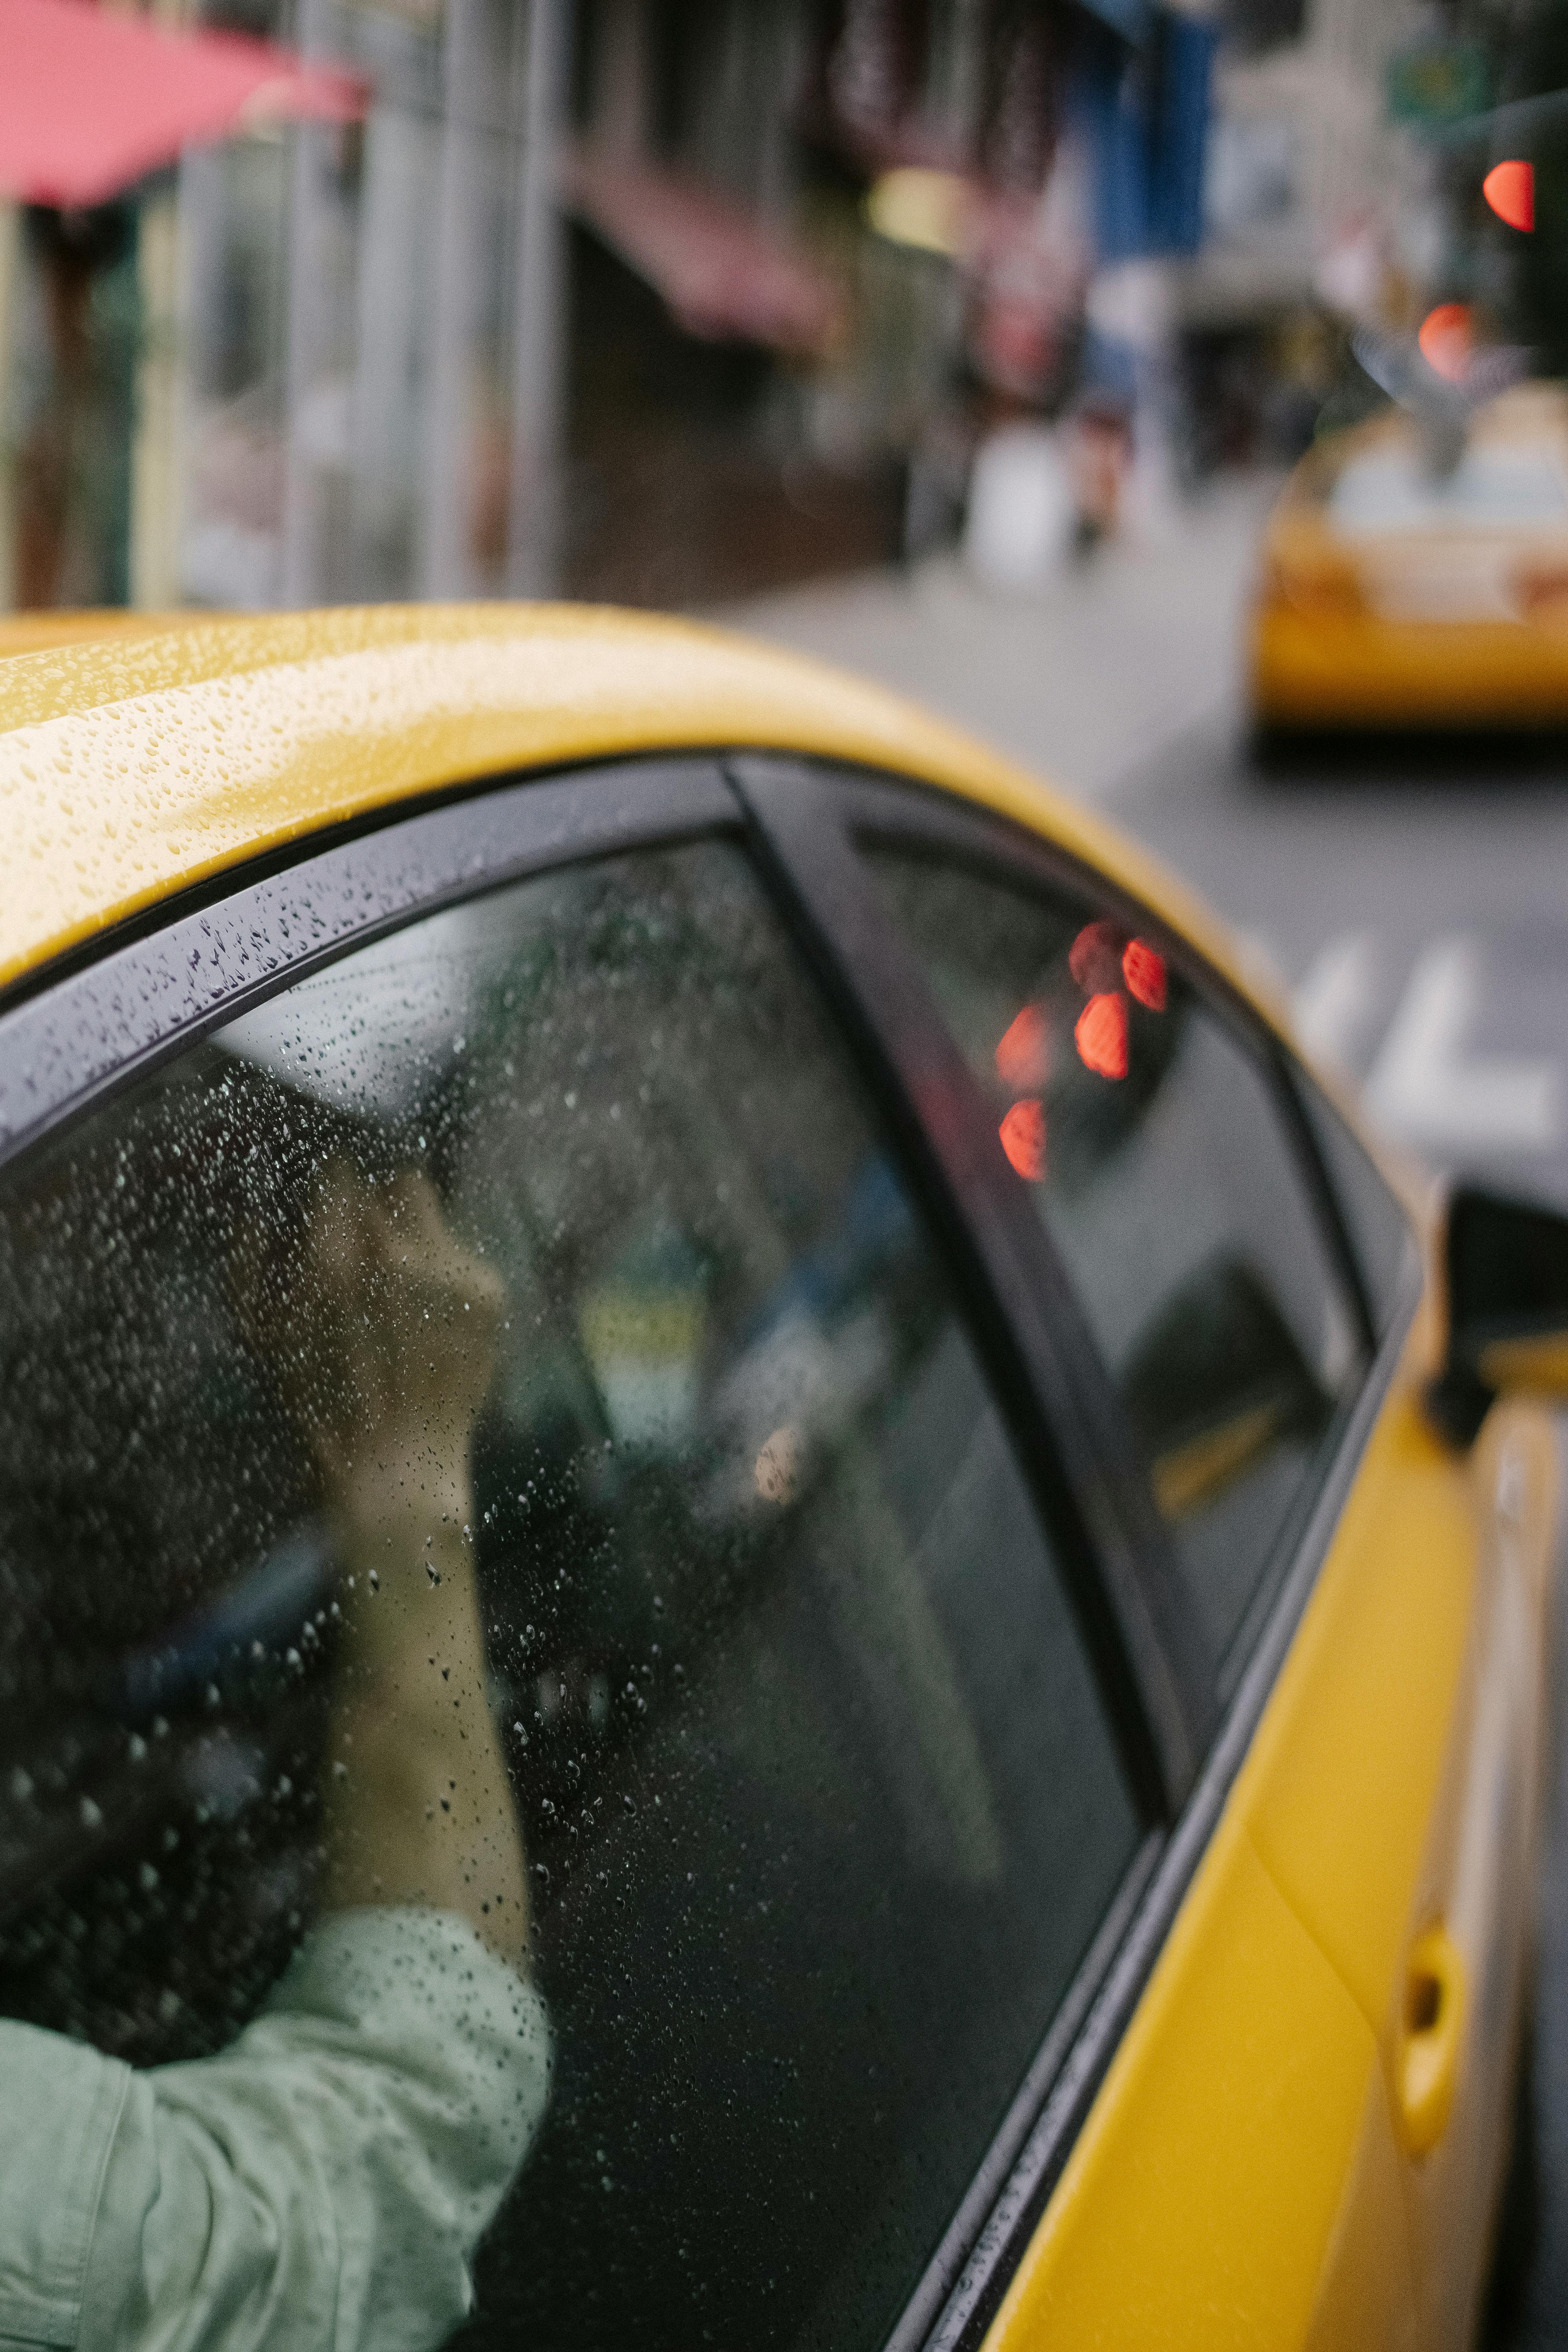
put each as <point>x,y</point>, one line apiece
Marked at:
<point>1424,1898</point>
<point>1471,1915</point>
<point>1472,1907</point>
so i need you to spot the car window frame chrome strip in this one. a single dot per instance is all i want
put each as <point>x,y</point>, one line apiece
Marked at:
<point>1125,1572</point>
<point>105,1023</point>
<point>1331,1215</point>
<point>1000,2244</point>
<point>966,2233</point>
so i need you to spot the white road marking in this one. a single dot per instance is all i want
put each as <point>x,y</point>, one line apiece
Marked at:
<point>1333,1003</point>
<point>1427,1087</point>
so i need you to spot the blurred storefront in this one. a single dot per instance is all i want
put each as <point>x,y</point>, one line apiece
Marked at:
<point>661,300</point>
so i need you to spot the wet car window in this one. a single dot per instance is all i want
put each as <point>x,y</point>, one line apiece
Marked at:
<point>1148,1137</point>
<point>540,1719</point>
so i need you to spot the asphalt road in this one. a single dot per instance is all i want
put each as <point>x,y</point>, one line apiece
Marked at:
<point>1417,906</point>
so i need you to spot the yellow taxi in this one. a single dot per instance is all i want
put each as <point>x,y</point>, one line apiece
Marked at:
<point>669,1340</point>
<point>1409,584</point>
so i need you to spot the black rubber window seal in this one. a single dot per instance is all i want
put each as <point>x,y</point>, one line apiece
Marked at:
<point>104,1025</point>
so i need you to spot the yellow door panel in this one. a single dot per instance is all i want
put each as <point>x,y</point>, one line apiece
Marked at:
<point>1348,1765</point>
<point>1366,2297</point>
<point>1203,2196</point>
<point>1391,1792</point>
<point>1474,1889</point>
<point>1248,2175</point>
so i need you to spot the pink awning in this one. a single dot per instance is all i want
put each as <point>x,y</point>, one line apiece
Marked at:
<point>90,102</point>
<point>723,274</point>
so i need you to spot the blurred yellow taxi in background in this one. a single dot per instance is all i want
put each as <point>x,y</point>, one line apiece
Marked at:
<point>1406,586</point>
<point>1013,1559</point>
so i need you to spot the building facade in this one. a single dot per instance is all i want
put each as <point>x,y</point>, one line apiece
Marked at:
<point>592,300</point>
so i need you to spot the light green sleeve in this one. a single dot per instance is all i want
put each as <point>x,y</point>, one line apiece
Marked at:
<point>320,2186</point>
<point>61,2105</point>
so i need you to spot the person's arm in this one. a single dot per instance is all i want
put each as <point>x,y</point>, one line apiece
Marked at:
<point>418,1809</point>
<point>384,1336</point>
<point>321,2184</point>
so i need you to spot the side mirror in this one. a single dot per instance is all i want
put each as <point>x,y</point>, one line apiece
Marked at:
<point>1507,1266</point>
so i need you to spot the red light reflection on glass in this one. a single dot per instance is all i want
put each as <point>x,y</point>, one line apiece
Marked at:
<point>1023,1134</point>
<point>1445,339</point>
<point>1143,968</point>
<point>1101,1035</point>
<point>1510,189</point>
<point>1022,1053</point>
<point>1093,958</point>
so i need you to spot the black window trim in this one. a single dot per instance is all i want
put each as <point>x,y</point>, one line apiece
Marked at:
<point>1130,1600</point>
<point>91,1023</point>
<point>106,1023</point>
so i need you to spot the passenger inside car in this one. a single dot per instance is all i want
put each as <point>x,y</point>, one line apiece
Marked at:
<point>325,2178</point>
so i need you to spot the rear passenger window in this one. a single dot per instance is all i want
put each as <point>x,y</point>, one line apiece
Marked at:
<point>488,1434</point>
<point>1153,1141</point>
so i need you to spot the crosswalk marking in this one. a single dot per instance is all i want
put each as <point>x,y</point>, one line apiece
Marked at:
<point>1333,1003</point>
<point>1427,1087</point>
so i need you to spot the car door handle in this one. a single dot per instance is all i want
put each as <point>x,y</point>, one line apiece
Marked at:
<point>1426,2063</point>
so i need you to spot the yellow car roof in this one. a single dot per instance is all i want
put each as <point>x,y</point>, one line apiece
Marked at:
<point>140,757</point>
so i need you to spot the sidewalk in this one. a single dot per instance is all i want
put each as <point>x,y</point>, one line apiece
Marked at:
<point>1084,683</point>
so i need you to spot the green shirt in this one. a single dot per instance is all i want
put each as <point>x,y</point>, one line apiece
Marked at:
<point>324,2181</point>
